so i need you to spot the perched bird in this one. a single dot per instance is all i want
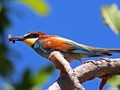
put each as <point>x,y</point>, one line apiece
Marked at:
<point>44,44</point>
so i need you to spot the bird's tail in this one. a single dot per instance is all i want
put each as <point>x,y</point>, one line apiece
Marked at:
<point>105,52</point>
<point>112,50</point>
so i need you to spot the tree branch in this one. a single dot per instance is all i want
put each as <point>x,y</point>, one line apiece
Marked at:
<point>65,69</point>
<point>104,68</point>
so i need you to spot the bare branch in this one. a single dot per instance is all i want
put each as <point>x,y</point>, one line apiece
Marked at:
<point>89,71</point>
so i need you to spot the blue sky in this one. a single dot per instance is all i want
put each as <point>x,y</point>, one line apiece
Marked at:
<point>78,20</point>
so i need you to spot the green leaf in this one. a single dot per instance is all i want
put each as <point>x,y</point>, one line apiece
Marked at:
<point>115,80</point>
<point>111,16</point>
<point>39,6</point>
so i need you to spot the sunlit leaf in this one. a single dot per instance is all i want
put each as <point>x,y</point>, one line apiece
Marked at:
<point>115,80</point>
<point>113,88</point>
<point>111,16</point>
<point>39,6</point>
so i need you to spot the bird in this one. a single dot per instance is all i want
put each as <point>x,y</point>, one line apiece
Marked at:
<point>45,44</point>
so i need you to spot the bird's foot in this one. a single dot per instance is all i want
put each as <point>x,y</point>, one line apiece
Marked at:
<point>104,59</point>
<point>92,61</point>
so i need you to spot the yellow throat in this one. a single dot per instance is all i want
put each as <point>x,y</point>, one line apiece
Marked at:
<point>30,41</point>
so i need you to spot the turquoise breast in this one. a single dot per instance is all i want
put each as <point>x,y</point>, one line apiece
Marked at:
<point>38,47</point>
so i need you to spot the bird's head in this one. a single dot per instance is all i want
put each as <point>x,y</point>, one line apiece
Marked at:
<point>28,38</point>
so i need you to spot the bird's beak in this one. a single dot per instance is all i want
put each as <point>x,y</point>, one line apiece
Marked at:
<point>16,38</point>
<point>28,41</point>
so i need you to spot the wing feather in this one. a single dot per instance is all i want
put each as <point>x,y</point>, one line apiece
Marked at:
<point>66,45</point>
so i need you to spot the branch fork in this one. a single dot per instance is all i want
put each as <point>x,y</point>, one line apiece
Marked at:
<point>65,68</point>
<point>73,78</point>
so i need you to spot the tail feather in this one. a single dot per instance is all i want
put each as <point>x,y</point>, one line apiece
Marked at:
<point>106,52</point>
<point>113,50</point>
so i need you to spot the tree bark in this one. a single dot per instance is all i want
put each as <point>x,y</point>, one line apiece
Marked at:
<point>104,69</point>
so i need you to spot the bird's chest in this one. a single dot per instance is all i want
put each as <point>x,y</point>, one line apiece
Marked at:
<point>41,50</point>
<point>38,47</point>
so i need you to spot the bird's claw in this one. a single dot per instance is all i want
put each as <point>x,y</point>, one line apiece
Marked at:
<point>92,61</point>
<point>104,59</point>
<point>101,59</point>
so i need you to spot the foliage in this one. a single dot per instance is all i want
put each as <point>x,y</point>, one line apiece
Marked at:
<point>111,17</point>
<point>33,82</point>
<point>110,14</point>
<point>39,6</point>
<point>43,75</point>
<point>5,64</point>
<point>29,81</point>
<point>115,82</point>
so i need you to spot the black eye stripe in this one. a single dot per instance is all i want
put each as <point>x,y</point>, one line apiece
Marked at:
<point>32,36</point>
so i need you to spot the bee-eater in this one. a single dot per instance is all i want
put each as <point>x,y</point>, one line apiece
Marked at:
<point>44,44</point>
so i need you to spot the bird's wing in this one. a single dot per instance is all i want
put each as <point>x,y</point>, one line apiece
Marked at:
<point>65,45</point>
